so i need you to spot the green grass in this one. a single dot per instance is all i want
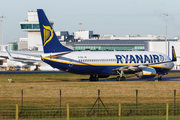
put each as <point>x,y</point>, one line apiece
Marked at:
<point>111,118</point>
<point>36,86</point>
<point>34,83</point>
<point>47,77</point>
<point>128,112</point>
<point>41,77</point>
<point>38,77</point>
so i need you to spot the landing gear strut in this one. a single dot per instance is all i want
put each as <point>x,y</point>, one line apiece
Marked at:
<point>121,77</point>
<point>37,68</point>
<point>159,77</point>
<point>94,78</point>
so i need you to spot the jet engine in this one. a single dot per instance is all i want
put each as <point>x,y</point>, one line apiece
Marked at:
<point>147,72</point>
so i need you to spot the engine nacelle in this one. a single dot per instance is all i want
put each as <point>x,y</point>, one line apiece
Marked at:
<point>147,72</point>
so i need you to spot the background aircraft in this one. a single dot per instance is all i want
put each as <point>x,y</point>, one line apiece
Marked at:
<point>23,61</point>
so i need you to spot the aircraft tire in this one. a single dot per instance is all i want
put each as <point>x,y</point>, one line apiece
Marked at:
<point>123,78</point>
<point>118,78</point>
<point>93,78</point>
<point>160,78</point>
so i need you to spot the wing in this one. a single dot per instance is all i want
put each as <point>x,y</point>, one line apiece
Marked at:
<point>6,57</point>
<point>27,61</point>
<point>23,60</point>
<point>35,54</point>
<point>134,68</point>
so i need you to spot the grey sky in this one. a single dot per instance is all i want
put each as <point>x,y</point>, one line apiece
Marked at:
<point>117,17</point>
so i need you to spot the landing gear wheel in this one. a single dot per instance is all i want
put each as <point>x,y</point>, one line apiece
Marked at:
<point>123,78</point>
<point>120,78</point>
<point>159,77</point>
<point>93,78</point>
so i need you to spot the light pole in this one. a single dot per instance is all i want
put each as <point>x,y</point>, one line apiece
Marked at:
<point>81,26</point>
<point>166,31</point>
<point>2,29</point>
<point>1,33</point>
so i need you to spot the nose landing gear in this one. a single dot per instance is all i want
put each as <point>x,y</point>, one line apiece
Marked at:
<point>159,77</point>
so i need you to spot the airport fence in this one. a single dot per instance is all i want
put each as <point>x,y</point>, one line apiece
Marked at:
<point>80,95</point>
<point>90,101</point>
<point>119,112</point>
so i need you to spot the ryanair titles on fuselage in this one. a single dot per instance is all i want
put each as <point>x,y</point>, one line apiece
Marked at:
<point>153,58</point>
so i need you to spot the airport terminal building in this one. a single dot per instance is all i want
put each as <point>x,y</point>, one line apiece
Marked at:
<point>109,45</point>
<point>114,45</point>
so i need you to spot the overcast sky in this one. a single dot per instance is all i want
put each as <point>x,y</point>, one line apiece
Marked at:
<point>104,17</point>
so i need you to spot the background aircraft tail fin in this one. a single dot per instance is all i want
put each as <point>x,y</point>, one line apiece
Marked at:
<point>50,41</point>
<point>173,54</point>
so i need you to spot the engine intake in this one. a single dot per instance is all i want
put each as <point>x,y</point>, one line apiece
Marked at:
<point>147,72</point>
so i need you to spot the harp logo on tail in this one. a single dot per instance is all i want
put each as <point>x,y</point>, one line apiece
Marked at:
<point>48,34</point>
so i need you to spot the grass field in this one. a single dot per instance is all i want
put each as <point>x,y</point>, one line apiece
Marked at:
<point>113,118</point>
<point>41,91</point>
<point>46,77</point>
<point>21,78</point>
<point>44,89</point>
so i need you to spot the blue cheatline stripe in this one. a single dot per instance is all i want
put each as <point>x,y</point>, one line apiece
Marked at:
<point>82,68</point>
<point>86,64</point>
<point>148,76</point>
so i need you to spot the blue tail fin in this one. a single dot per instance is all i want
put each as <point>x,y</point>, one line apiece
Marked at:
<point>173,54</point>
<point>50,41</point>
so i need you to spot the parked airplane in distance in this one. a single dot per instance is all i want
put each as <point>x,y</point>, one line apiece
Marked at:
<point>25,61</point>
<point>98,64</point>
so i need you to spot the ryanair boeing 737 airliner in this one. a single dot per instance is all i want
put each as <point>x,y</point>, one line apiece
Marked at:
<point>98,64</point>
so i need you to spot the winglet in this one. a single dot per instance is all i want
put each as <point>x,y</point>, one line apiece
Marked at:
<point>9,55</point>
<point>173,54</point>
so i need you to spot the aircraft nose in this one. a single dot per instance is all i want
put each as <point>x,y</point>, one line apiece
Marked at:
<point>171,65</point>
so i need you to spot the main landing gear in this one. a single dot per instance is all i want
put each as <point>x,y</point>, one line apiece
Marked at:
<point>121,77</point>
<point>93,78</point>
